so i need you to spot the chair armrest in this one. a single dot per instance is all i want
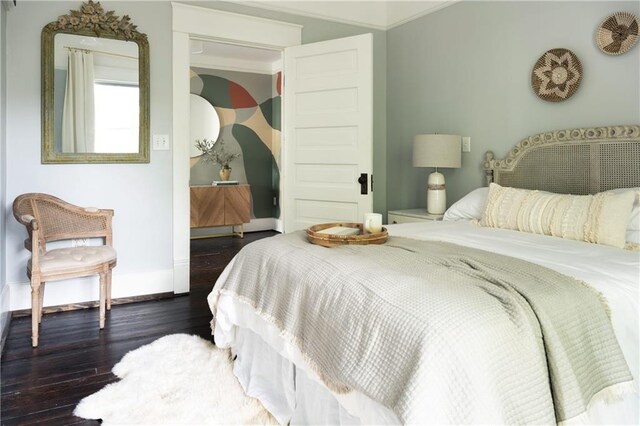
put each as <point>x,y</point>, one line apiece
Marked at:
<point>29,221</point>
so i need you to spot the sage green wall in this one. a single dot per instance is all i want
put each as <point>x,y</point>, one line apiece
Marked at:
<point>466,70</point>
<point>320,30</point>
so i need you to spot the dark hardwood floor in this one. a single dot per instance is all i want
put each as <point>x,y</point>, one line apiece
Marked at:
<point>74,358</point>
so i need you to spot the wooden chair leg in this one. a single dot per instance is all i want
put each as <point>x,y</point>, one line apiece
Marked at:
<point>109,290</point>
<point>103,297</point>
<point>35,314</point>
<point>41,305</point>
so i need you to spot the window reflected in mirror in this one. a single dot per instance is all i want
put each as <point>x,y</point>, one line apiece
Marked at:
<point>116,112</point>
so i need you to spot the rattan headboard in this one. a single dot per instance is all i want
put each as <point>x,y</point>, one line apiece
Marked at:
<point>574,161</point>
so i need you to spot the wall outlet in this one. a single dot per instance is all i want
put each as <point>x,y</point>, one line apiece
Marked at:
<point>160,142</point>
<point>79,242</point>
<point>466,144</point>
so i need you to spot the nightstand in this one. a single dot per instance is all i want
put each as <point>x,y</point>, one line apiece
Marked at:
<point>412,215</point>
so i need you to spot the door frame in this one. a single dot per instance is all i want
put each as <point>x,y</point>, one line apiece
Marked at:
<point>215,25</point>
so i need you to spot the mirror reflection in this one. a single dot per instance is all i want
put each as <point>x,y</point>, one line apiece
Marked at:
<point>96,95</point>
<point>204,124</point>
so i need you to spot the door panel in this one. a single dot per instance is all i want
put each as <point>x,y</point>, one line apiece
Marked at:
<point>327,131</point>
<point>311,212</point>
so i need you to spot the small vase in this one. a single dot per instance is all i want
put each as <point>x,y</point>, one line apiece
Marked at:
<point>225,173</point>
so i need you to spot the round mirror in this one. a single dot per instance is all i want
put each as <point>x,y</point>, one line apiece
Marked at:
<point>205,123</point>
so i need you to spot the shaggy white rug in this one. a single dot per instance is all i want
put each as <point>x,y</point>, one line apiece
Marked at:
<point>177,379</point>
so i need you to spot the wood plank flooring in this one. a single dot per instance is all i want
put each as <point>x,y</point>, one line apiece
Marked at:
<point>74,358</point>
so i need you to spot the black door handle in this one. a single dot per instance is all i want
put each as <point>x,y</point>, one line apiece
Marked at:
<point>363,181</point>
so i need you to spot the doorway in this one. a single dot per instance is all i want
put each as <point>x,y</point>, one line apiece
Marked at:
<point>328,148</point>
<point>243,85</point>
<point>193,22</point>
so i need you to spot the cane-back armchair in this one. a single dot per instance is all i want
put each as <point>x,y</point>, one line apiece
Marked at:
<point>48,219</point>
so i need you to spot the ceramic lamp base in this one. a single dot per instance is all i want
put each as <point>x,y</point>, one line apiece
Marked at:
<point>436,194</point>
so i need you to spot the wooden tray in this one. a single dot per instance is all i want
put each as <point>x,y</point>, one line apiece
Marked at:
<point>328,240</point>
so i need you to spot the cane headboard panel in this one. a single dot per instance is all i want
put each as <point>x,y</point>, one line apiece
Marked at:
<point>574,161</point>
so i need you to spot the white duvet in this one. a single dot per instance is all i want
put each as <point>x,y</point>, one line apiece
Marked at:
<point>613,272</point>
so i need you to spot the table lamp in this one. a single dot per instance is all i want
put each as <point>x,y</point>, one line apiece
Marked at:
<point>437,151</point>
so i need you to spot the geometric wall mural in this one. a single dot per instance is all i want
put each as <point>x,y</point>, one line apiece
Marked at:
<point>248,105</point>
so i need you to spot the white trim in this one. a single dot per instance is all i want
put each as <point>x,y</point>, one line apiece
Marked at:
<point>181,277</point>
<point>256,225</point>
<point>181,170</point>
<point>230,64</point>
<point>293,11</point>
<point>282,7</point>
<point>5,314</point>
<point>87,289</point>
<point>209,24</point>
<point>421,14</point>
<point>216,24</point>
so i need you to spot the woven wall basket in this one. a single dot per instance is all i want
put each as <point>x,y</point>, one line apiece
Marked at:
<point>556,75</point>
<point>618,33</point>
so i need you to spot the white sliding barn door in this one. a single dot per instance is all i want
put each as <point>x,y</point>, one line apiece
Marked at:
<point>328,113</point>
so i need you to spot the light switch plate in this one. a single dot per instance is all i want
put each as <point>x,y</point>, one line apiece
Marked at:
<point>160,142</point>
<point>466,144</point>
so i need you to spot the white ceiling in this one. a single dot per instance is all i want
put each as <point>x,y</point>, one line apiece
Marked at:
<point>378,14</point>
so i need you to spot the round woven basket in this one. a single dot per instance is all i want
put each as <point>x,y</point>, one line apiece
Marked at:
<point>617,33</point>
<point>328,240</point>
<point>556,75</point>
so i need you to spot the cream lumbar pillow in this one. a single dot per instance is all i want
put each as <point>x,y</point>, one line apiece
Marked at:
<point>601,218</point>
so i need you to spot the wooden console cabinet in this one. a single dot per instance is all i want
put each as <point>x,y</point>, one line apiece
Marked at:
<point>220,206</point>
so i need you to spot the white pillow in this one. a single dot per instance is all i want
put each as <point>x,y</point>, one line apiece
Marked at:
<point>469,207</point>
<point>633,229</point>
<point>601,218</point>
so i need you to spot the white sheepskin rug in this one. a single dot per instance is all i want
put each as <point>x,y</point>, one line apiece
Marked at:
<point>178,379</point>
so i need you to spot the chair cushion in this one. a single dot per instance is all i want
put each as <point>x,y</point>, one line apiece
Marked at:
<point>75,258</point>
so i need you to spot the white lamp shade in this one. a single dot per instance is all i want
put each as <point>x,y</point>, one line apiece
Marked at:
<point>437,151</point>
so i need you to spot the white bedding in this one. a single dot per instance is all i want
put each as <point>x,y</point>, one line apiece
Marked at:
<point>614,272</point>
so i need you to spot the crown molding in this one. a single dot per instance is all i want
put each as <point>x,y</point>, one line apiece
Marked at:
<point>415,16</point>
<point>367,23</point>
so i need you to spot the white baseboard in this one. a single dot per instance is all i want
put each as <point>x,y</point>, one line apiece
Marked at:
<point>5,315</point>
<point>181,276</point>
<point>87,289</point>
<point>266,224</point>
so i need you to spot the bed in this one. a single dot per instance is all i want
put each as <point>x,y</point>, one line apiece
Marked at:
<point>353,335</point>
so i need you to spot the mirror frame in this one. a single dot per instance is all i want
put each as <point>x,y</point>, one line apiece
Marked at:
<point>93,21</point>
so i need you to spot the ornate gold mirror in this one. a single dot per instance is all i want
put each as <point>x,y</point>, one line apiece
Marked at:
<point>95,89</point>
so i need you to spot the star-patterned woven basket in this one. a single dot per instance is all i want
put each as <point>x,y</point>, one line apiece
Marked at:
<point>556,75</point>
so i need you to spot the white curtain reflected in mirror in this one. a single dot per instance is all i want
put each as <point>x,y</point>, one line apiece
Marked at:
<point>78,115</point>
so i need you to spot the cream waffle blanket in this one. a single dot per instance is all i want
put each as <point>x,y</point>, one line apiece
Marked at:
<point>437,332</point>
